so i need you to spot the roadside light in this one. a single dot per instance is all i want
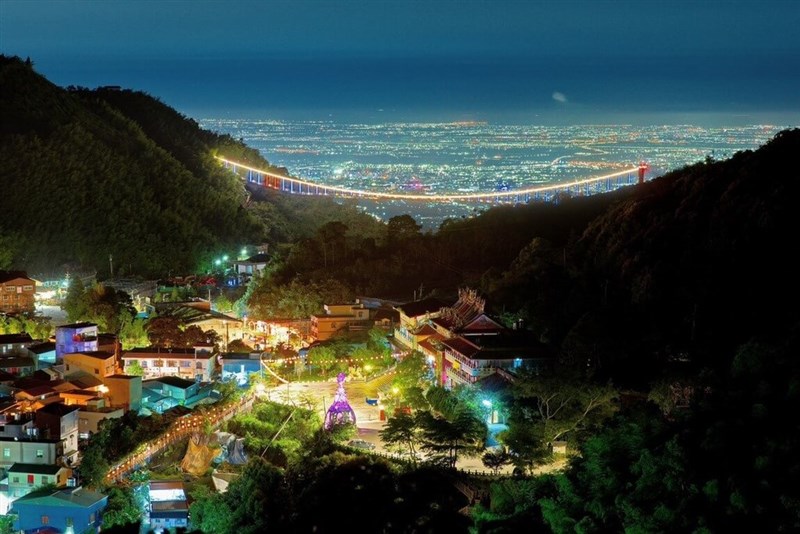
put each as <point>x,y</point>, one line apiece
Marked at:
<point>395,390</point>
<point>218,262</point>
<point>487,403</point>
<point>225,257</point>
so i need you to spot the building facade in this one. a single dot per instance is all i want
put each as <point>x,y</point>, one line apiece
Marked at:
<point>17,292</point>
<point>198,363</point>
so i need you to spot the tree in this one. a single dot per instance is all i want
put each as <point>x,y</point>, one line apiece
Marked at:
<point>75,303</point>
<point>133,333</point>
<point>237,345</point>
<point>446,440</point>
<point>402,228</point>
<point>495,460</point>
<point>549,408</point>
<point>411,371</point>
<point>209,512</point>
<point>322,357</point>
<point>259,499</point>
<point>134,368</point>
<point>122,508</point>
<point>403,430</point>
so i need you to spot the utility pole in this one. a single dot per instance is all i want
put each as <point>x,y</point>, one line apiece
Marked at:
<point>111,265</point>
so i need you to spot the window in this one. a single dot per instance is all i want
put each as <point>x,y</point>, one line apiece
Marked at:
<point>6,453</point>
<point>30,479</point>
<point>186,363</point>
<point>40,453</point>
<point>45,480</point>
<point>27,288</point>
<point>15,480</point>
<point>199,365</point>
<point>159,363</point>
<point>67,367</point>
<point>45,520</point>
<point>97,371</point>
<point>143,363</point>
<point>9,289</point>
<point>171,363</point>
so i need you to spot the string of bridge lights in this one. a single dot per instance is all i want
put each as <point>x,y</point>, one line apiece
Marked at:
<point>433,197</point>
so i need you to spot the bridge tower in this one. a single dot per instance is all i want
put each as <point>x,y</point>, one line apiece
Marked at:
<point>642,170</point>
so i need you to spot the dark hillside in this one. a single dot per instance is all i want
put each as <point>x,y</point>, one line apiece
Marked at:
<point>689,266</point>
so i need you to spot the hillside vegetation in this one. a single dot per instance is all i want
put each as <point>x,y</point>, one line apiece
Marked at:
<point>89,174</point>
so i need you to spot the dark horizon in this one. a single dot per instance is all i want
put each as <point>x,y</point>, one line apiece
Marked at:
<point>573,62</point>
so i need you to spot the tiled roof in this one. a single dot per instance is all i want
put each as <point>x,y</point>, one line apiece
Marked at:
<point>15,338</point>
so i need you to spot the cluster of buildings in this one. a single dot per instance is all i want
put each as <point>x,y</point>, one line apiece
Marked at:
<point>54,394</point>
<point>460,341</point>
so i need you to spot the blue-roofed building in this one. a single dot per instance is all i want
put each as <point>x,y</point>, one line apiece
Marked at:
<point>77,509</point>
<point>239,366</point>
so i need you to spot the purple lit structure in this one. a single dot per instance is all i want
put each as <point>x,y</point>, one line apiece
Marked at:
<point>340,411</point>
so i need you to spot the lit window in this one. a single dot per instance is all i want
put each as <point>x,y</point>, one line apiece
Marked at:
<point>40,453</point>
<point>6,453</point>
<point>45,520</point>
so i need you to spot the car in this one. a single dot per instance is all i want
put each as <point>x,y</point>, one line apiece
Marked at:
<point>361,444</point>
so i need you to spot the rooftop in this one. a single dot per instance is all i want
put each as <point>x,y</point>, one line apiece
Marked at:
<point>76,325</point>
<point>36,469</point>
<point>421,307</point>
<point>72,497</point>
<point>15,338</point>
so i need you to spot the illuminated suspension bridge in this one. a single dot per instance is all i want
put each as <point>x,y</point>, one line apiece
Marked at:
<point>586,186</point>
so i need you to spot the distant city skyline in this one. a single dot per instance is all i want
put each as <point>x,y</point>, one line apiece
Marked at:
<point>573,61</point>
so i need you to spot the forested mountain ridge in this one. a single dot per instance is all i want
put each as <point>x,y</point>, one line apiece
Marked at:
<point>82,182</point>
<point>689,265</point>
<point>90,174</point>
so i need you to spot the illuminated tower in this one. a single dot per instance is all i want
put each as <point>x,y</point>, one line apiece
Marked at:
<point>642,170</point>
<point>340,411</point>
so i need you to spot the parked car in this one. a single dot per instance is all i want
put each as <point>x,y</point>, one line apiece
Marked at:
<point>361,444</point>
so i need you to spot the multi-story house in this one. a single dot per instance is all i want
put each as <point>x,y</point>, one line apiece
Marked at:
<point>24,478</point>
<point>15,343</point>
<point>469,358</point>
<point>413,315</point>
<point>97,363</point>
<point>59,421</point>
<point>197,364</point>
<point>16,292</point>
<point>76,337</point>
<point>30,450</point>
<point>123,391</point>
<point>339,317</point>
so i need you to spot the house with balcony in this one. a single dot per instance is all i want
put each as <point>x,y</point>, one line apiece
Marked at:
<point>76,337</point>
<point>64,510</point>
<point>339,317</point>
<point>198,363</point>
<point>17,292</point>
<point>412,315</point>
<point>469,358</point>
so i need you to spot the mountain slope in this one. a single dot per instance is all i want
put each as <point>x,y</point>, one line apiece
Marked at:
<point>82,181</point>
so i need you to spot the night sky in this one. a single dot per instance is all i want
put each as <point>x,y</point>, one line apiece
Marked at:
<point>689,55</point>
